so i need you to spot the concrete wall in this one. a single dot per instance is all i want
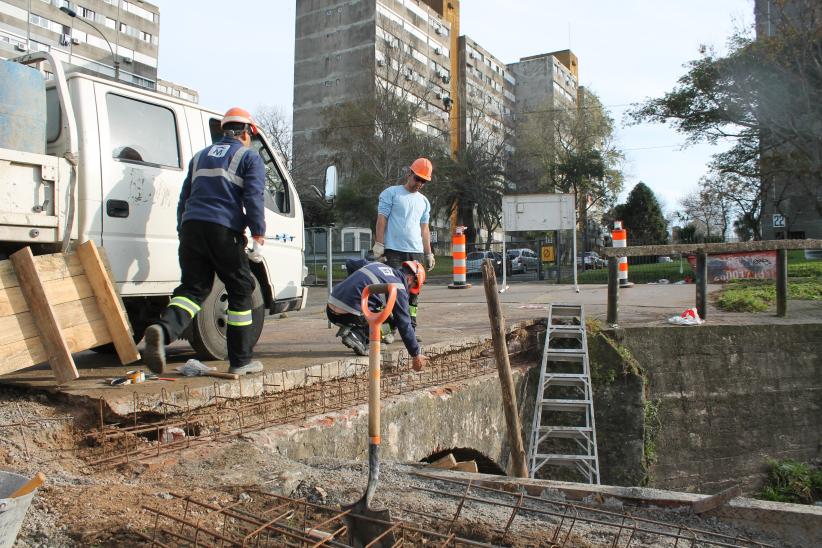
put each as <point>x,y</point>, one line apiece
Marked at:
<point>722,400</point>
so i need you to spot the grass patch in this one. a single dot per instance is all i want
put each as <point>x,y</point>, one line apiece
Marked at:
<point>804,284</point>
<point>792,481</point>
<point>642,273</point>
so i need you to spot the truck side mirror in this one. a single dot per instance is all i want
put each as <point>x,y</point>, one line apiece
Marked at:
<point>330,183</point>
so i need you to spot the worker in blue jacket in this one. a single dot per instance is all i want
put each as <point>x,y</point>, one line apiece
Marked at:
<point>223,193</point>
<point>344,310</point>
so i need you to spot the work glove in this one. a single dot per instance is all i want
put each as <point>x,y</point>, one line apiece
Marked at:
<point>419,362</point>
<point>378,250</point>
<point>430,261</point>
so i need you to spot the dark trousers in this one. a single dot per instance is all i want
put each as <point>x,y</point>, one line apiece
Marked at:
<point>207,249</point>
<point>394,259</point>
<point>356,322</point>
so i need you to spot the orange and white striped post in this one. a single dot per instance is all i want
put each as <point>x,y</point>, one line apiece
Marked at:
<point>458,255</point>
<point>619,237</point>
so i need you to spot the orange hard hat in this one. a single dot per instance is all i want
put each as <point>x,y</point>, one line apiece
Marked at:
<point>237,114</point>
<point>422,168</point>
<point>419,274</point>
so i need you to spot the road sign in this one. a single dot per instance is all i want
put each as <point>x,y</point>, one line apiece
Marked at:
<point>538,212</point>
<point>778,220</point>
<point>546,253</point>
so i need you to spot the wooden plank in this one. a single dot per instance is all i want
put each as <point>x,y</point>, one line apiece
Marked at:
<point>467,466</point>
<point>734,247</point>
<point>519,467</point>
<point>49,267</point>
<point>59,355</point>
<point>22,326</point>
<point>446,463</point>
<point>715,501</point>
<point>109,303</point>
<point>58,291</point>
<point>25,353</point>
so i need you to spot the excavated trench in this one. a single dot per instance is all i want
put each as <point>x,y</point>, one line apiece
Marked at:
<point>654,397</point>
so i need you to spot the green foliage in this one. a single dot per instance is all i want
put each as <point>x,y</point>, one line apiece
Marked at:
<point>642,217</point>
<point>759,295</point>
<point>792,481</point>
<point>653,426</point>
<point>805,270</point>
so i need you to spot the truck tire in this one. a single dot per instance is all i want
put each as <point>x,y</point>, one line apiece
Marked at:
<point>209,325</point>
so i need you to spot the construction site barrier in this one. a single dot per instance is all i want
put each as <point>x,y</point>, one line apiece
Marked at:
<point>458,255</point>
<point>619,236</point>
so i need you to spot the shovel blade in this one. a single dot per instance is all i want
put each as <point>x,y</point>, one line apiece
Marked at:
<point>366,525</point>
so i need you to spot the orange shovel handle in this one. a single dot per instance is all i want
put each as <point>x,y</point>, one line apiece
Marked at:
<point>375,319</point>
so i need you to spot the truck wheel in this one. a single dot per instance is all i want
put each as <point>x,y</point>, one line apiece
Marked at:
<point>209,326</point>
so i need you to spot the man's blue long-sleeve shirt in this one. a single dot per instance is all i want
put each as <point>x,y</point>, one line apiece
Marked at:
<point>346,295</point>
<point>225,185</point>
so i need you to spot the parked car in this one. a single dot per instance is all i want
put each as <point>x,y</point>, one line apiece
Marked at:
<point>473,262</point>
<point>664,259</point>
<point>592,260</point>
<point>522,260</point>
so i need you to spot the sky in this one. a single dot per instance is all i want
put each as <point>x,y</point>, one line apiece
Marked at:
<point>242,54</point>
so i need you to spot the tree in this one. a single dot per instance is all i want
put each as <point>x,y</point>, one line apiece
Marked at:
<point>373,140</point>
<point>277,127</point>
<point>764,97</point>
<point>642,217</point>
<point>710,210</point>
<point>570,150</point>
<point>475,178</point>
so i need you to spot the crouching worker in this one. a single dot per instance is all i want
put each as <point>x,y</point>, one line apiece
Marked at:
<point>344,304</point>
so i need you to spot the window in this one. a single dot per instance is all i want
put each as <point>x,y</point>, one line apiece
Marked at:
<point>87,13</point>
<point>110,23</point>
<point>141,132</point>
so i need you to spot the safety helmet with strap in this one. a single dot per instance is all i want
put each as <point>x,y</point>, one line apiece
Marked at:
<point>418,271</point>
<point>422,168</point>
<point>239,115</point>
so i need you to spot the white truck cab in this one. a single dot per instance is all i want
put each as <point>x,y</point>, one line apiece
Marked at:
<point>130,148</point>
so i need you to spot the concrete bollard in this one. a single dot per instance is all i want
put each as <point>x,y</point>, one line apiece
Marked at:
<point>458,254</point>
<point>619,236</point>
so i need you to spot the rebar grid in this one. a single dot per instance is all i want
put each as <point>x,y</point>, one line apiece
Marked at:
<point>148,435</point>
<point>623,527</point>
<point>268,520</point>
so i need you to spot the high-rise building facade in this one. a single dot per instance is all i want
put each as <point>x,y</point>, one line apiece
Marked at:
<point>101,35</point>
<point>486,90</point>
<point>346,49</point>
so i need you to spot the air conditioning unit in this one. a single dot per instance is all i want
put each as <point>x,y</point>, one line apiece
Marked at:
<point>446,79</point>
<point>439,95</point>
<point>438,30</point>
<point>128,60</point>
<point>21,46</point>
<point>75,41</point>
<point>471,55</point>
<point>409,76</point>
<point>380,62</point>
<point>438,51</point>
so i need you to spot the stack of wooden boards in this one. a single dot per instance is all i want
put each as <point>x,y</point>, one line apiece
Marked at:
<point>54,305</point>
<point>448,462</point>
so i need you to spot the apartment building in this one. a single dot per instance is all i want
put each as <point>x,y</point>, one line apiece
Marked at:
<point>348,49</point>
<point>129,33</point>
<point>545,81</point>
<point>486,89</point>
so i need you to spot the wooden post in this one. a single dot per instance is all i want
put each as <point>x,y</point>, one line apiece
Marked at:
<point>781,283</point>
<point>509,396</point>
<point>702,284</point>
<point>108,303</point>
<point>613,291</point>
<point>51,336</point>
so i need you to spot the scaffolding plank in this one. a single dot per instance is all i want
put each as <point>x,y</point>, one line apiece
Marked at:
<point>108,302</point>
<point>51,337</point>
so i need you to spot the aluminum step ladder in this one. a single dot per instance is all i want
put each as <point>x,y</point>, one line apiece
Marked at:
<point>563,431</point>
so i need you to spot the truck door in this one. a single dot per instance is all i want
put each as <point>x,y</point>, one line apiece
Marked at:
<point>142,157</point>
<point>283,249</point>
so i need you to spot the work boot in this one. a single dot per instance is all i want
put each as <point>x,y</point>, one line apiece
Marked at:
<point>154,354</point>
<point>356,342</point>
<point>253,367</point>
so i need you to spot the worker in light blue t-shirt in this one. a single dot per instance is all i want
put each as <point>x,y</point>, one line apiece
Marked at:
<point>402,224</point>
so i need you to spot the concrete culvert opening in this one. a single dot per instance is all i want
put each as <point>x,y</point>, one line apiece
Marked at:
<point>485,465</point>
